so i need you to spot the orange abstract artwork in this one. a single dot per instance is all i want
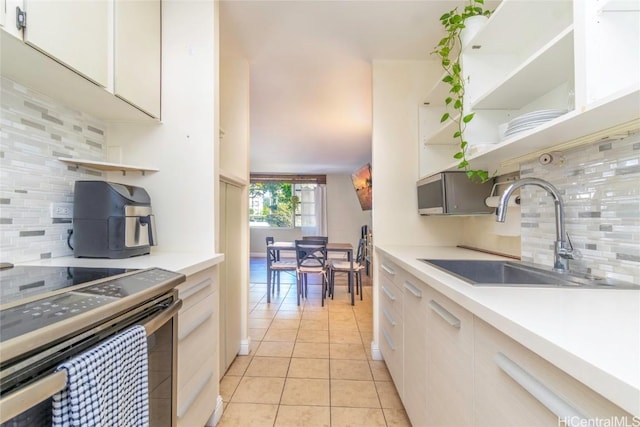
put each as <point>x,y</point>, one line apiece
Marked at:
<point>362,183</point>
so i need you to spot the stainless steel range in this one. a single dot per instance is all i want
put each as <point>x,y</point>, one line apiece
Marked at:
<point>50,314</point>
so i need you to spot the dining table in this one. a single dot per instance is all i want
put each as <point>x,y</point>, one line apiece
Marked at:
<point>332,247</point>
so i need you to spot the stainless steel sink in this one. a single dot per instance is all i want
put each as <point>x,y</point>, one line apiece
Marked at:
<point>514,274</point>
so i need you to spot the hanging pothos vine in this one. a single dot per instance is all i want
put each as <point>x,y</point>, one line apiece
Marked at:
<point>449,50</point>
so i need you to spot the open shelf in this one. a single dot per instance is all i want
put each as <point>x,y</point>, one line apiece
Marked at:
<point>104,166</point>
<point>534,77</point>
<point>610,117</point>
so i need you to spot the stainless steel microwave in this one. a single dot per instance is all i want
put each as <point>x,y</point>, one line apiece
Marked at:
<point>452,193</point>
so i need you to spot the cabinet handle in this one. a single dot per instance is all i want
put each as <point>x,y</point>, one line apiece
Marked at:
<point>388,316</point>
<point>411,288</point>
<point>200,320</point>
<point>195,288</point>
<point>442,312</point>
<point>388,339</point>
<point>388,294</point>
<point>182,410</point>
<point>561,408</point>
<point>389,270</point>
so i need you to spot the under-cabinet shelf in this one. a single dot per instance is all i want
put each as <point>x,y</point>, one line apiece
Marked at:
<point>104,166</point>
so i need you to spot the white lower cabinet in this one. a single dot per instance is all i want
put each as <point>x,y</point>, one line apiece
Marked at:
<point>516,387</point>
<point>198,348</point>
<point>415,297</point>
<point>391,324</point>
<point>449,362</point>
<point>451,369</point>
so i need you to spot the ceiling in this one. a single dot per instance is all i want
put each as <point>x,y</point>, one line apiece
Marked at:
<point>310,67</point>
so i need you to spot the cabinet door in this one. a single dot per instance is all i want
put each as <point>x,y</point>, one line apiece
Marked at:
<point>391,325</point>
<point>415,350</point>
<point>508,377</point>
<point>137,54</point>
<point>449,363</point>
<point>8,15</point>
<point>75,33</point>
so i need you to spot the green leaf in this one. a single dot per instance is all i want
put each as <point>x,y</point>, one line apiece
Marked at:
<point>470,174</point>
<point>448,101</point>
<point>444,117</point>
<point>458,104</point>
<point>483,175</point>
<point>456,19</point>
<point>458,155</point>
<point>457,134</point>
<point>447,79</point>
<point>464,144</point>
<point>456,67</point>
<point>463,164</point>
<point>468,117</point>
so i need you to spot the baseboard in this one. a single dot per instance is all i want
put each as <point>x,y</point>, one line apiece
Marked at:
<point>376,354</point>
<point>244,347</point>
<point>217,414</point>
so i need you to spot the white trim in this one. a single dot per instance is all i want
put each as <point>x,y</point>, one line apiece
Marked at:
<point>217,414</point>
<point>376,354</point>
<point>244,347</point>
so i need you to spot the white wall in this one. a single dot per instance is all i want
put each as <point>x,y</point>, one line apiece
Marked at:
<point>344,214</point>
<point>399,88</point>
<point>183,145</point>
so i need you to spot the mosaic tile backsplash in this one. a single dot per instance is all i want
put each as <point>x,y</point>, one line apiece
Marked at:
<point>600,185</point>
<point>34,131</point>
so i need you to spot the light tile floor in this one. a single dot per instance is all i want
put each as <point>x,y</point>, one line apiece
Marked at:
<point>309,365</point>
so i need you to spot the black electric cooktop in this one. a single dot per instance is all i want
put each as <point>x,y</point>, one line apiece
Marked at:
<point>22,282</point>
<point>34,297</point>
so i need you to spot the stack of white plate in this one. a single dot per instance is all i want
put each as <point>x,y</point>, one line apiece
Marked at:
<point>531,120</point>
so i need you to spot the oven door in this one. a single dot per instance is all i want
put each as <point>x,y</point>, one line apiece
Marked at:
<point>30,404</point>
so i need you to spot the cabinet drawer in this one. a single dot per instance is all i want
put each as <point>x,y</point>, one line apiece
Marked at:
<point>197,399</point>
<point>509,378</point>
<point>197,337</point>
<point>388,269</point>
<point>391,348</point>
<point>390,296</point>
<point>195,288</point>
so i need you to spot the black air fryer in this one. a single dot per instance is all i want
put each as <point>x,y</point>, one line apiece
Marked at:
<point>111,220</point>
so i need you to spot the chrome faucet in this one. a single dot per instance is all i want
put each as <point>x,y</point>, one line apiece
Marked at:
<point>562,249</point>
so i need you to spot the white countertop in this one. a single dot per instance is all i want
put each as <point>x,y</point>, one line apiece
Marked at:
<point>591,334</point>
<point>186,263</point>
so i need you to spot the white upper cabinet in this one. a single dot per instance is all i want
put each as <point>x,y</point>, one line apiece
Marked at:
<point>102,57</point>
<point>137,54</point>
<point>532,56</point>
<point>8,16</point>
<point>76,33</point>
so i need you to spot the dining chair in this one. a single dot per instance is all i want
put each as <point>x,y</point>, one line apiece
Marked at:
<point>325,239</point>
<point>311,258</point>
<point>341,266</point>
<point>276,265</point>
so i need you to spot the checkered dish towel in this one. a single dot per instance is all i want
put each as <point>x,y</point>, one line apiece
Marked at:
<point>107,385</point>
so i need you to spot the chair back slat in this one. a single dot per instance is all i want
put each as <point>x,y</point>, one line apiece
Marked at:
<point>311,253</point>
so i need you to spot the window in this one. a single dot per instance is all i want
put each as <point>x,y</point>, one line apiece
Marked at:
<point>283,201</point>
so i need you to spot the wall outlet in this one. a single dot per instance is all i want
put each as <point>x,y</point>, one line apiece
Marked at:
<point>62,210</point>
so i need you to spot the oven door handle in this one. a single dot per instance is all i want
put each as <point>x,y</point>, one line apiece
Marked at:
<point>27,397</point>
<point>158,320</point>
